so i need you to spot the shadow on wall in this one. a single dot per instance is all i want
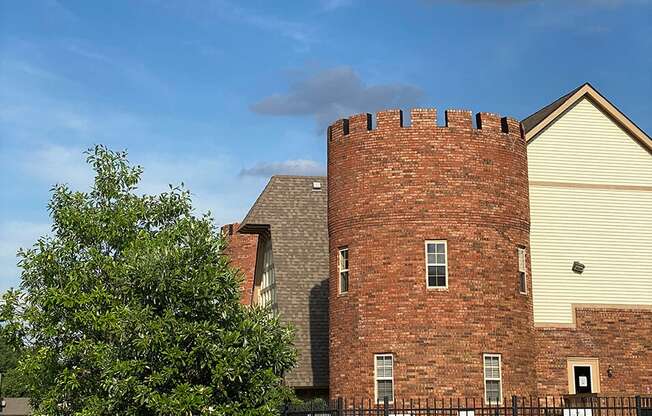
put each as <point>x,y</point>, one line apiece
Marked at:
<point>319,333</point>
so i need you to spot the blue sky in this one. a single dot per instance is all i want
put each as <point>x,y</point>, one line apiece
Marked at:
<point>222,94</point>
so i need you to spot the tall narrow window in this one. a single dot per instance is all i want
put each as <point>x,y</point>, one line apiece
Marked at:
<point>492,378</point>
<point>343,269</point>
<point>384,373</point>
<point>522,271</point>
<point>436,264</point>
<point>267,297</point>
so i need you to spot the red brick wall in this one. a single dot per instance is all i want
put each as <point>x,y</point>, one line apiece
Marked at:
<point>621,338</point>
<point>389,190</point>
<point>242,251</point>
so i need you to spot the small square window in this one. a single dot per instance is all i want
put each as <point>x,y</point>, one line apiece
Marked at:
<point>436,264</point>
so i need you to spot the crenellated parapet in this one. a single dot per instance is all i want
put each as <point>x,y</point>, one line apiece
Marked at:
<point>424,118</point>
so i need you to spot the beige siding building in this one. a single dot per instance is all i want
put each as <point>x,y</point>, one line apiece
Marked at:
<point>590,172</point>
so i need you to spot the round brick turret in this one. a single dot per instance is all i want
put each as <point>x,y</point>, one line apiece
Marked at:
<point>392,188</point>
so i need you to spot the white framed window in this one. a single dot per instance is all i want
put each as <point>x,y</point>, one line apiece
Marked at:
<point>436,264</point>
<point>522,270</point>
<point>343,269</point>
<point>267,294</point>
<point>384,377</point>
<point>492,378</point>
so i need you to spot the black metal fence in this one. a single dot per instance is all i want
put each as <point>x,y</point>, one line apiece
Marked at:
<point>514,406</point>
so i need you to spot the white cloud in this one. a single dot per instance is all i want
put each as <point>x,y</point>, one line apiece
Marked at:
<point>13,236</point>
<point>46,135</point>
<point>232,11</point>
<point>77,48</point>
<point>213,180</point>
<point>28,69</point>
<point>28,114</point>
<point>58,164</point>
<point>136,72</point>
<point>289,167</point>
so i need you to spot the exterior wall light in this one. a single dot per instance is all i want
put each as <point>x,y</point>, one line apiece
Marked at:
<point>610,371</point>
<point>578,267</point>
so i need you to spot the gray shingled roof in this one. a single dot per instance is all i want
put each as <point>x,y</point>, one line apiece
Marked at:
<point>532,120</point>
<point>294,216</point>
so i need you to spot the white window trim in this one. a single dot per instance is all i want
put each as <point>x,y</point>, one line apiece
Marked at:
<point>445,242</point>
<point>267,291</point>
<point>499,379</point>
<point>341,270</point>
<point>376,378</point>
<point>593,363</point>
<point>520,250</point>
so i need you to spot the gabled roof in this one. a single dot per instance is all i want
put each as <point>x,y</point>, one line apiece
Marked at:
<point>292,212</point>
<point>284,195</point>
<point>537,122</point>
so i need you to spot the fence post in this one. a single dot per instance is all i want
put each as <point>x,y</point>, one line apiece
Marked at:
<point>340,406</point>
<point>514,405</point>
<point>386,406</point>
<point>639,410</point>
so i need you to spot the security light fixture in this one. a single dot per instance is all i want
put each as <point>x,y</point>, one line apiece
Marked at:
<point>316,186</point>
<point>578,267</point>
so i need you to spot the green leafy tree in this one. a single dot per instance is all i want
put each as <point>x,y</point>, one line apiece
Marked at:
<point>129,308</point>
<point>13,384</point>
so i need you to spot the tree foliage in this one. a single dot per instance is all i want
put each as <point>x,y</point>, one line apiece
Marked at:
<point>13,384</point>
<point>129,308</point>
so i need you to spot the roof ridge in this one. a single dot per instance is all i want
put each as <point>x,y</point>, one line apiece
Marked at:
<point>538,121</point>
<point>535,118</point>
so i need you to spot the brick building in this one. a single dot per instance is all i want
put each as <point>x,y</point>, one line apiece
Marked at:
<point>478,259</point>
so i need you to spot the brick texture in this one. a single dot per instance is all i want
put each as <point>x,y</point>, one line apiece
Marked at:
<point>390,189</point>
<point>241,250</point>
<point>620,338</point>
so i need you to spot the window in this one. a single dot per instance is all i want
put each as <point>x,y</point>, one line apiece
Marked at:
<point>492,381</point>
<point>436,268</point>
<point>343,268</point>
<point>384,373</point>
<point>522,271</point>
<point>267,296</point>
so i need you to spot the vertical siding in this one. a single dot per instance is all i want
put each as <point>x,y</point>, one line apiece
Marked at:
<point>583,208</point>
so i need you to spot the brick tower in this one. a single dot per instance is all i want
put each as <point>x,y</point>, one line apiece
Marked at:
<point>396,193</point>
